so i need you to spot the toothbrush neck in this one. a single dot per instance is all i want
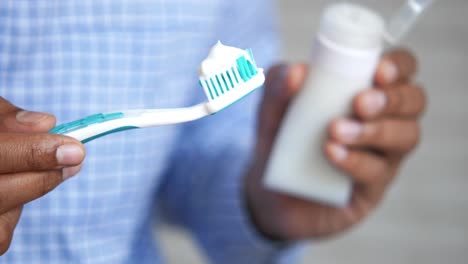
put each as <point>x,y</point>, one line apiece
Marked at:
<point>171,116</point>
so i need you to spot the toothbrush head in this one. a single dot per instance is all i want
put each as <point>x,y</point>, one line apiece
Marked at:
<point>232,82</point>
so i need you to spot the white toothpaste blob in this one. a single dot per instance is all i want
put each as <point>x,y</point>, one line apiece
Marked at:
<point>221,57</point>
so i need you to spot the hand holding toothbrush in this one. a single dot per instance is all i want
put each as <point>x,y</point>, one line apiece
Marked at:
<point>369,147</point>
<point>32,162</point>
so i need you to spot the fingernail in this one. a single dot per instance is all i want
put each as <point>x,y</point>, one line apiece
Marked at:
<point>69,155</point>
<point>348,130</point>
<point>295,76</point>
<point>374,102</point>
<point>338,152</point>
<point>29,117</point>
<point>389,70</point>
<point>70,172</point>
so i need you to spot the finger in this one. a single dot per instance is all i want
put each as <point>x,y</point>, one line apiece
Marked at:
<point>69,172</point>
<point>274,82</point>
<point>364,167</point>
<point>396,66</point>
<point>21,152</point>
<point>6,106</point>
<point>20,188</point>
<point>388,136</point>
<point>403,101</point>
<point>14,119</point>
<point>8,222</point>
<point>297,75</point>
<point>282,83</point>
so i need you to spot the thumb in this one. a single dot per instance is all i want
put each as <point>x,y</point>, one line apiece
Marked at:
<point>8,222</point>
<point>15,119</point>
<point>282,84</point>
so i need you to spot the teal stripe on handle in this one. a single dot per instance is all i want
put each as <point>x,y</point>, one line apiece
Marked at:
<point>109,132</point>
<point>84,122</point>
<point>88,121</point>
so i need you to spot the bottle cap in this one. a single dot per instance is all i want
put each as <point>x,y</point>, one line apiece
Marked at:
<point>352,26</point>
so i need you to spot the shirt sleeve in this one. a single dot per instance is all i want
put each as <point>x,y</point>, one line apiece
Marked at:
<point>203,189</point>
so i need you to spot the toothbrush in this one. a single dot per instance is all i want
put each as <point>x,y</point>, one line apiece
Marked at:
<point>223,87</point>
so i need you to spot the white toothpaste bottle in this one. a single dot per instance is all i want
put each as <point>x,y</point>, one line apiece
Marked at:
<point>345,55</point>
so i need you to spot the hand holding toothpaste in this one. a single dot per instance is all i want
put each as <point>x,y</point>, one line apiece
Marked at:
<point>369,147</point>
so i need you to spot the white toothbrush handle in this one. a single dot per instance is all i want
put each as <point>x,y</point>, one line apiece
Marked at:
<point>99,125</point>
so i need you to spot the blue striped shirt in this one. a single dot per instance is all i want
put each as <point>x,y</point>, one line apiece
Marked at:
<point>73,58</point>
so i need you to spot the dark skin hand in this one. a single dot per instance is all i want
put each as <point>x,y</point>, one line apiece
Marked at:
<point>32,163</point>
<point>369,146</point>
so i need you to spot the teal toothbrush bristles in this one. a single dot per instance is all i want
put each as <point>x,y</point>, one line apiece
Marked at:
<point>246,69</point>
<point>219,84</point>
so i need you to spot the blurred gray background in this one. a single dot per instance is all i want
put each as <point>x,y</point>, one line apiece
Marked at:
<point>425,216</point>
